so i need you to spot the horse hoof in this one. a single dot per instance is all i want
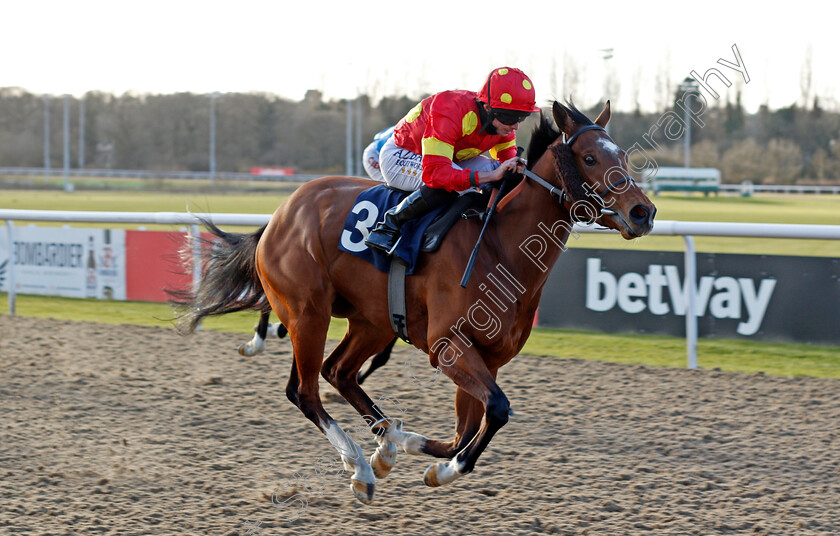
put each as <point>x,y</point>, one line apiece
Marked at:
<point>362,490</point>
<point>439,474</point>
<point>383,463</point>
<point>243,350</point>
<point>430,477</point>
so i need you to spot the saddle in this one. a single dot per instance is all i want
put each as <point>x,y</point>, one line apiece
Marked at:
<point>465,207</point>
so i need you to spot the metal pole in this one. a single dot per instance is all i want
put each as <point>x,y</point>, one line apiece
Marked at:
<point>358,153</point>
<point>47,137</point>
<point>687,137</point>
<point>196,253</point>
<point>688,86</point>
<point>67,187</point>
<point>213,98</point>
<point>81,133</point>
<point>349,140</point>
<point>11,263</point>
<point>607,55</point>
<point>691,300</point>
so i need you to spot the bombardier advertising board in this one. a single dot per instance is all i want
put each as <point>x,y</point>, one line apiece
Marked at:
<point>759,297</point>
<point>70,262</point>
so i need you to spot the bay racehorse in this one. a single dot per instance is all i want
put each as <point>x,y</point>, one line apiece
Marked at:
<point>468,333</point>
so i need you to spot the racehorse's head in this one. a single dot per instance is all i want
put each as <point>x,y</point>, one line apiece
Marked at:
<point>600,188</point>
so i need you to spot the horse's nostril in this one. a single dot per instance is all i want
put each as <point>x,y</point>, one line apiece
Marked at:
<point>639,214</point>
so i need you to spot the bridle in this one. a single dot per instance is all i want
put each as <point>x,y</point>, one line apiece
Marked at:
<point>564,197</point>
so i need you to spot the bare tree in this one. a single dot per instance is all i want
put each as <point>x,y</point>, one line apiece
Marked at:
<point>806,76</point>
<point>572,76</point>
<point>664,86</point>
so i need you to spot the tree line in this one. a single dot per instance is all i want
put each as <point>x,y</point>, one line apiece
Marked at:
<point>172,132</point>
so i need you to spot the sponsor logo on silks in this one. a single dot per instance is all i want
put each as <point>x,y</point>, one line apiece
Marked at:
<point>634,292</point>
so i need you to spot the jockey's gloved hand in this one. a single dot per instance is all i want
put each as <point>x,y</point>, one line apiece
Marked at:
<point>511,176</point>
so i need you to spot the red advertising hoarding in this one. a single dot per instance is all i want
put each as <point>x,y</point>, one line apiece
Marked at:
<point>153,264</point>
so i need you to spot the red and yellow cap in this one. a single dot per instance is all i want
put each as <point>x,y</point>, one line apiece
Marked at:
<point>510,89</point>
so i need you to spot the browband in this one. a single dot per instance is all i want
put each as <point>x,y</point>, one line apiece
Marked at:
<point>571,140</point>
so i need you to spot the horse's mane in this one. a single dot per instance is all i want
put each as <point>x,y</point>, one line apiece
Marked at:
<point>545,133</point>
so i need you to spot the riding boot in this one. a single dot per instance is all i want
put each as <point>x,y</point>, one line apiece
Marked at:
<point>386,233</point>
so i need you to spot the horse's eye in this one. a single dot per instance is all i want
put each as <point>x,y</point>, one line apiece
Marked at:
<point>589,160</point>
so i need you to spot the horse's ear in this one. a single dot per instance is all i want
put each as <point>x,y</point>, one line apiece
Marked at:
<point>562,119</point>
<point>604,116</point>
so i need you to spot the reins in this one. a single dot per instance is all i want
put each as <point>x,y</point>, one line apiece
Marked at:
<point>562,194</point>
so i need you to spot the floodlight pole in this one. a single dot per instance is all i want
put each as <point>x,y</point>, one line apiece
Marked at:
<point>349,139</point>
<point>82,132</point>
<point>358,153</point>
<point>607,55</point>
<point>67,186</point>
<point>213,97</point>
<point>688,86</point>
<point>46,137</point>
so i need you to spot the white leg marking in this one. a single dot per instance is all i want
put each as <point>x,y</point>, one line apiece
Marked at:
<point>410,442</point>
<point>443,473</point>
<point>272,330</point>
<point>384,457</point>
<point>363,479</point>
<point>253,347</point>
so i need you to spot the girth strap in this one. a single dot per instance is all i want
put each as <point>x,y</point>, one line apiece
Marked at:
<point>396,298</point>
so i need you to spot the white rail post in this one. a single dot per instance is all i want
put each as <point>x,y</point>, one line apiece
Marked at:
<point>11,263</point>
<point>196,253</point>
<point>691,300</point>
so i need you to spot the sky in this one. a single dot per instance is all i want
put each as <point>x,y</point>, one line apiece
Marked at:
<point>344,48</point>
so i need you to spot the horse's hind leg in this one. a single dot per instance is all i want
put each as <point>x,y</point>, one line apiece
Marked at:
<point>341,370</point>
<point>308,332</point>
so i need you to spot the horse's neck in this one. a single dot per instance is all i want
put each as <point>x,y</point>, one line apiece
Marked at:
<point>533,230</point>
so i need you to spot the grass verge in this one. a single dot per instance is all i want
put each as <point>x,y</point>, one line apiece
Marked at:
<point>661,351</point>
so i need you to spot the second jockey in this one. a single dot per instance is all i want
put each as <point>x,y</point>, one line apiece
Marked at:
<point>435,151</point>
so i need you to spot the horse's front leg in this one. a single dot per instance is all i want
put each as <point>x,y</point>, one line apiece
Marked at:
<point>257,344</point>
<point>468,415</point>
<point>471,374</point>
<point>263,330</point>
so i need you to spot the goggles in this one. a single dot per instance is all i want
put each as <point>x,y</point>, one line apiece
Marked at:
<point>510,117</point>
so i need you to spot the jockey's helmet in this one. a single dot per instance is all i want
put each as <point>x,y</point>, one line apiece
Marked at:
<point>509,89</point>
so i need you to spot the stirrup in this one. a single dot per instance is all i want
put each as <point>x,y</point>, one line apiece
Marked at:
<point>379,247</point>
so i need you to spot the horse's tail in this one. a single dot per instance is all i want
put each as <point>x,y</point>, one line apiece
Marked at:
<point>229,281</point>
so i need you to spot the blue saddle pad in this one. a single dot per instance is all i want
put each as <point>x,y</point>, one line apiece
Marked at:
<point>367,211</point>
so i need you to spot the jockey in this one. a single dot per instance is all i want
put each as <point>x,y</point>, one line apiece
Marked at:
<point>435,151</point>
<point>370,156</point>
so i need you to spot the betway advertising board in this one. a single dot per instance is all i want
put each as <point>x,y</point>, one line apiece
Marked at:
<point>757,297</point>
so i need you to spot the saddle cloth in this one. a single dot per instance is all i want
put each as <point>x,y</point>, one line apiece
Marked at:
<point>368,209</point>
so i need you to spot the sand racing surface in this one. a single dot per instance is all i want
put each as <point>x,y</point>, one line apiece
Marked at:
<point>138,430</point>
